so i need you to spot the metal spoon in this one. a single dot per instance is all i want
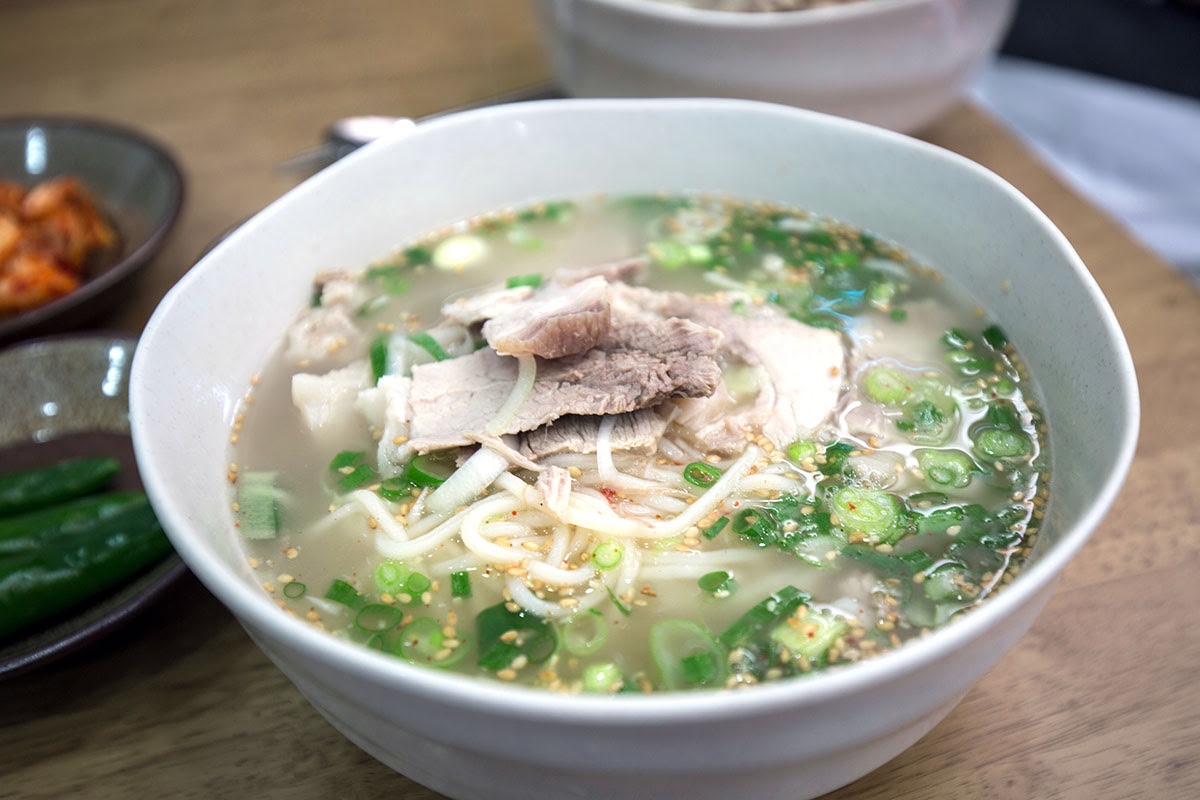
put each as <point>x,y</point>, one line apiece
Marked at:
<point>348,134</point>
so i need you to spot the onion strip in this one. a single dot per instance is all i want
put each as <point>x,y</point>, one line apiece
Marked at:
<point>522,389</point>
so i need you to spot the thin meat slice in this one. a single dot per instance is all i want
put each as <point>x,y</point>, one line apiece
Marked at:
<point>473,308</point>
<point>635,367</point>
<point>557,321</point>
<point>629,270</point>
<point>637,431</point>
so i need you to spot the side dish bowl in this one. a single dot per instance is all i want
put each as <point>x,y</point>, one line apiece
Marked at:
<point>895,63</point>
<point>468,738</point>
<point>134,181</point>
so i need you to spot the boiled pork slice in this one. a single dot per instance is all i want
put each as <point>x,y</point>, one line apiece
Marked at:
<point>637,431</point>
<point>557,321</point>
<point>639,366</point>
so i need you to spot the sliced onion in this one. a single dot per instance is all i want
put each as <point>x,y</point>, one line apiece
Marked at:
<point>468,481</point>
<point>604,460</point>
<point>526,372</point>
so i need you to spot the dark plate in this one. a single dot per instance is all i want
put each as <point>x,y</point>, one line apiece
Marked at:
<point>135,181</point>
<point>63,397</point>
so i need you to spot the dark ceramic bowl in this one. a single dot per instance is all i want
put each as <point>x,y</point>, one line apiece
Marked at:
<point>136,182</point>
<point>65,397</point>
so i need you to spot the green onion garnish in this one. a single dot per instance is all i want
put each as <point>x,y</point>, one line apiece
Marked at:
<point>426,473</point>
<point>533,281</point>
<point>390,576</point>
<point>357,477</point>
<point>346,458</point>
<point>394,489</point>
<point>417,583</point>
<point>753,523</point>
<point>376,303</point>
<point>716,581</point>
<point>700,474</point>
<point>698,668</point>
<point>995,337</point>
<point>379,357</point>
<point>798,451</point>
<point>427,343</point>
<point>378,617</point>
<point>616,601</point>
<point>499,656</point>
<point>899,314</point>
<point>607,555</point>
<point>344,593</point>
<point>460,584</point>
<point>712,530</point>
<point>294,589</point>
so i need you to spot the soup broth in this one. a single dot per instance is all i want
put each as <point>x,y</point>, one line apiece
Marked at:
<point>812,450</point>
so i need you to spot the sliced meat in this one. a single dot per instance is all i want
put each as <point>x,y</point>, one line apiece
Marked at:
<point>635,367</point>
<point>629,270</point>
<point>321,331</point>
<point>557,321</point>
<point>637,431</point>
<point>799,368</point>
<point>804,367</point>
<point>473,308</point>
<point>555,485</point>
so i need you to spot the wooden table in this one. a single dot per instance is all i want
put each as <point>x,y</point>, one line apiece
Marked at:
<point>1097,701</point>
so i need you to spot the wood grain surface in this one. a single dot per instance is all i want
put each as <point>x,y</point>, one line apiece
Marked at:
<point>1099,700</point>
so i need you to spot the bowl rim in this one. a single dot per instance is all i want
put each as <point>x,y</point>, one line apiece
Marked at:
<point>718,18</point>
<point>666,708</point>
<point>134,260</point>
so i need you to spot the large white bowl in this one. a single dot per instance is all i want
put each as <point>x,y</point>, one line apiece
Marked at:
<point>478,739</point>
<point>896,63</point>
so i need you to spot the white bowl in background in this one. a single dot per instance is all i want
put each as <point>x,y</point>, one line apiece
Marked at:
<point>481,739</point>
<point>895,63</point>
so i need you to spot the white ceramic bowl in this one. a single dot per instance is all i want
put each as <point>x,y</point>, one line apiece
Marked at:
<point>470,738</point>
<point>895,63</point>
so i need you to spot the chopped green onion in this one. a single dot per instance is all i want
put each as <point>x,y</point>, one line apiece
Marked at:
<point>701,474</point>
<point>798,451</point>
<point>422,641</point>
<point>536,637</point>
<point>426,472</point>
<point>460,584</point>
<point>390,576</point>
<point>712,530</point>
<point>427,343</point>
<point>950,468</point>
<point>995,337</point>
<point>616,601</point>
<point>755,524</point>
<point>607,555</point>
<point>812,638</point>
<point>356,477</point>
<point>417,583</point>
<point>394,489</point>
<point>764,615</point>
<point>601,677</point>
<point>955,338</point>
<point>378,617</point>
<point>417,255</point>
<point>887,385</point>
<point>686,655</point>
<point>668,254</point>
<point>872,512</point>
<point>315,300</point>
<point>994,444</point>
<point>379,357</point>
<point>584,633</point>
<point>944,583</point>
<point>534,281</point>
<point>698,669</point>
<point>719,581</point>
<point>898,314</point>
<point>294,589</point>
<point>258,505</point>
<point>347,595</point>
<point>499,656</point>
<point>346,458</point>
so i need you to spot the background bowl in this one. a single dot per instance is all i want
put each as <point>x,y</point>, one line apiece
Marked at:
<point>470,738</point>
<point>68,397</point>
<point>895,63</point>
<point>135,181</point>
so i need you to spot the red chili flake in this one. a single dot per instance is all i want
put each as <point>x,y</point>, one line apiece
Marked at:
<point>851,506</point>
<point>610,495</point>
